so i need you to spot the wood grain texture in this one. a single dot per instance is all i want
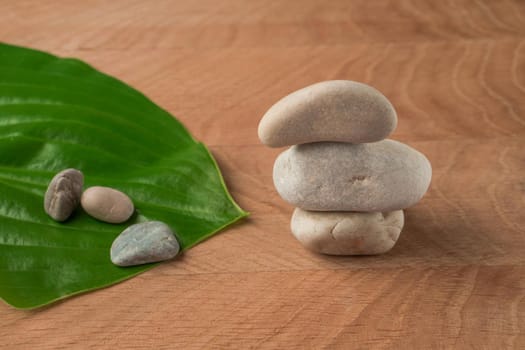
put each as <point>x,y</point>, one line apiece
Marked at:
<point>454,70</point>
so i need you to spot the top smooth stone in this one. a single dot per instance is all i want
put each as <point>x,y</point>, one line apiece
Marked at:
<point>336,111</point>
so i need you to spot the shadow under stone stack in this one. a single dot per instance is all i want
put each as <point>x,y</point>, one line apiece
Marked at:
<point>348,182</point>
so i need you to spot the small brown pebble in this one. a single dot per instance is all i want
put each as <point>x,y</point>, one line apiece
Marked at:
<point>63,194</point>
<point>107,204</point>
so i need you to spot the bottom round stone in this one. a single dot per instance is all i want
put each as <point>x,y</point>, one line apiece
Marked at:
<point>347,233</point>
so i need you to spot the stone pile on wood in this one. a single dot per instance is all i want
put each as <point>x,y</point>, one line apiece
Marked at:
<point>349,183</point>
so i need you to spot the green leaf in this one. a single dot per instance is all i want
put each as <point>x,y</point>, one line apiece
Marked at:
<point>58,113</point>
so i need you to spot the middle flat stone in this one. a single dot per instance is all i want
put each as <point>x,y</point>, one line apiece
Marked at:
<point>332,176</point>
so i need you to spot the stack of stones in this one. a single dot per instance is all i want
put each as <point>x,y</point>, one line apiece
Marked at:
<point>349,183</point>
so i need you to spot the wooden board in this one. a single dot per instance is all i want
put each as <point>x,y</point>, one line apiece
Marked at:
<point>454,70</point>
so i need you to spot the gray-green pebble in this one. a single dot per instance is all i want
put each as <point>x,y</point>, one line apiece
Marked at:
<point>144,243</point>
